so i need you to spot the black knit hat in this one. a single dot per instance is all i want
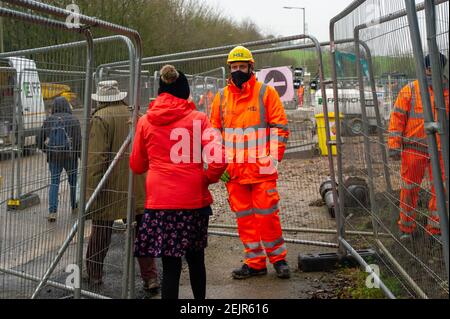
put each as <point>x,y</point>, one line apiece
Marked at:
<point>173,82</point>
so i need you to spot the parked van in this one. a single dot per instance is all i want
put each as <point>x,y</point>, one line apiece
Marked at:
<point>22,109</point>
<point>350,107</point>
<point>25,102</point>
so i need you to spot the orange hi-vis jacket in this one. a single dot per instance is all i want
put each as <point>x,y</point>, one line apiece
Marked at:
<point>255,130</point>
<point>406,128</point>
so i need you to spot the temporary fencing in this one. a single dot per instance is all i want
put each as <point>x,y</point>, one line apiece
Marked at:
<point>386,59</point>
<point>33,248</point>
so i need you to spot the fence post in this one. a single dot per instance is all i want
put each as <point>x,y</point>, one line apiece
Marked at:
<point>367,147</point>
<point>323,86</point>
<point>430,16</point>
<point>129,259</point>
<point>340,221</point>
<point>84,158</point>
<point>387,174</point>
<point>14,136</point>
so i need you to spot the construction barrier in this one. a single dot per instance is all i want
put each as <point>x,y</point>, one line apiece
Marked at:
<point>404,182</point>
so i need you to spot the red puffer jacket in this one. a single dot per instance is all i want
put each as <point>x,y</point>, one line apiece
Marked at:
<point>169,143</point>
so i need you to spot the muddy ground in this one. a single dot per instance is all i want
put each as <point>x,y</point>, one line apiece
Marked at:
<point>222,256</point>
<point>29,244</point>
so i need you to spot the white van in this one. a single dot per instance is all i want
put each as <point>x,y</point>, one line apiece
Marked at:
<point>22,109</point>
<point>350,107</point>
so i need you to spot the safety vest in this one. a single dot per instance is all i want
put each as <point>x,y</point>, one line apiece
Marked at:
<point>407,125</point>
<point>248,137</point>
<point>251,130</point>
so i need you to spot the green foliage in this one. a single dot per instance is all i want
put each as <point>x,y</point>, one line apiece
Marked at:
<point>355,287</point>
<point>396,64</point>
<point>308,58</point>
<point>166,26</point>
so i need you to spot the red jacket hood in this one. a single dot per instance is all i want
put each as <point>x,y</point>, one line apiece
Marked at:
<point>167,109</point>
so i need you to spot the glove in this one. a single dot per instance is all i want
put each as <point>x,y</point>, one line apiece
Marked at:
<point>395,154</point>
<point>275,162</point>
<point>225,177</point>
<point>269,165</point>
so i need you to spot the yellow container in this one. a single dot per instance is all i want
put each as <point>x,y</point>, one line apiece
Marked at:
<point>322,133</point>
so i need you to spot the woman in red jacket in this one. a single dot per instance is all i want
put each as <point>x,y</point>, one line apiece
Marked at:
<point>169,143</point>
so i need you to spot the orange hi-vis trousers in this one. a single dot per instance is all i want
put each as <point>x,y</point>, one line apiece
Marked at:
<point>413,168</point>
<point>256,208</point>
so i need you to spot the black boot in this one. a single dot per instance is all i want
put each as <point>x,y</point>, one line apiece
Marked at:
<point>246,272</point>
<point>282,269</point>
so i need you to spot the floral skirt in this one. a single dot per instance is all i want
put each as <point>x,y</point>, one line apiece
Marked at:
<point>171,233</point>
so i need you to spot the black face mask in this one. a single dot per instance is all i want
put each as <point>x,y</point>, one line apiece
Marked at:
<point>239,78</point>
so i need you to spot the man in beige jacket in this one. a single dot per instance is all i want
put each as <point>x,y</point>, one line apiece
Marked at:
<point>109,129</point>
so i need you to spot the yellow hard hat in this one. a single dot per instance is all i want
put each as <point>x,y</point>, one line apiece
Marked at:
<point>240,54</point>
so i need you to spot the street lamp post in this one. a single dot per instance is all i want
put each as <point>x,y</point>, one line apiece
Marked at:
<point>304,17</point>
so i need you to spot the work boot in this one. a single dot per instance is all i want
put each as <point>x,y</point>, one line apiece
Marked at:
<point>434,238</point>
<point>151,285</point>
<point>51,217</point>
<point>282,269</point>
<point>405,237</point>
<point>119,225</point>
<point>412,241</point>
<point>246,272</point>
<point>433,234</point>
<point>75,210</point>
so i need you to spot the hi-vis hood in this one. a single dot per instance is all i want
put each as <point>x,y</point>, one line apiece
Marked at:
<point>167,109</point>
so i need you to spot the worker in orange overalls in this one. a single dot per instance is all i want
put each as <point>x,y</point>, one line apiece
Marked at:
<point>408,142</point>
<point>300,94</point>
<point>209,100</point>
<point>254,126</point>
<point>205,102</point>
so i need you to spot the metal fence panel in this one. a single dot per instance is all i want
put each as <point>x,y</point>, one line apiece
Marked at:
<point>413,266</point>
<point>29,243</point>
<point>304,213</point>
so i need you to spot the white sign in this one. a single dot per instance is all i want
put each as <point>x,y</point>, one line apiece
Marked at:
<point>281,79</point>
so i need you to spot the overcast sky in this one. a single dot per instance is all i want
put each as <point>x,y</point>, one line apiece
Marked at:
<point>270,16</point>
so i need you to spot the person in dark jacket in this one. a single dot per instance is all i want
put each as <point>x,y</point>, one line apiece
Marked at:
<point>60,139</point>
<point>175,223</point>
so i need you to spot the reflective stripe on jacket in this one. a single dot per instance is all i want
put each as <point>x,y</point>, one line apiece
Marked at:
<point>254,127</point>
<point>406,128</point>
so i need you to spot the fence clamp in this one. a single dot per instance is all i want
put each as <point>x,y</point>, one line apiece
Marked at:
<point>432,127</point>
<point>332,47</point>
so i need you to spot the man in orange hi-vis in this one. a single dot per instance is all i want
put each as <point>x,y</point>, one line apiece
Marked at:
<point>253,123</point>
<point>408,142</point>
<point>301,94</point>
